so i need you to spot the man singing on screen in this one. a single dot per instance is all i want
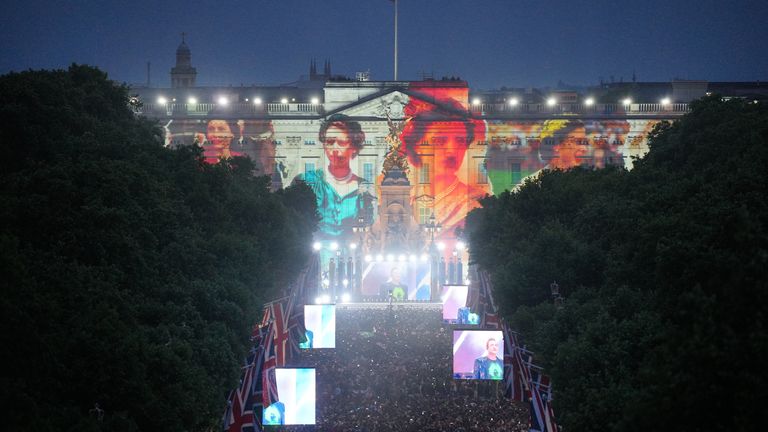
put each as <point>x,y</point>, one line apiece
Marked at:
<point>489,366</point>
<point>393,288</point>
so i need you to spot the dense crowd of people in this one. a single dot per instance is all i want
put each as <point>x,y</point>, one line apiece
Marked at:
<point>392,370</point>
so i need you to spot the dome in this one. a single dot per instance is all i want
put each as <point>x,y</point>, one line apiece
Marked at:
<point>183,49</point>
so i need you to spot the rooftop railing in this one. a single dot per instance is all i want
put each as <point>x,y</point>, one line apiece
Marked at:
<point>228,110</point>
<point>234,110</point>
<point>579,109</point>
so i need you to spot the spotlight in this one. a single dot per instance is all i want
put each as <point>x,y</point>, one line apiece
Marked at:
<point>257,101</point>
<point>223,101</point>
<point>424,257</point>
<point>345,298</point>
<point>325,298</point>
<point>315,101</point>
<point>475,101</point>
<point>412,258</point>
<point>192,101</point>
<point>626,101</point>
<point>353,246</point>
<point>283,101</point>
<point>440,246</point>
<point>665,101</point>
<point>401,258</point>
<point>368,258</point>
<point>162,101</point>
<point>317,246</point>
<point>589,101</point>
<point>551,102</point>
<point>390,257</point>
<point>460,246</point>
<point>379,258</point>
<point>513,102</point>
<point>334,246</point>
<point>318,300</point>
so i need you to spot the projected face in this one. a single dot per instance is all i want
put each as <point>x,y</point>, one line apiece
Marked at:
<point>338,147</point>
<point>446,141</point>
<point>449,146</point>
<point>220,136</point>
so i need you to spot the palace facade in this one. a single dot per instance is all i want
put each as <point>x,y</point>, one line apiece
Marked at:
<point>388,158</point>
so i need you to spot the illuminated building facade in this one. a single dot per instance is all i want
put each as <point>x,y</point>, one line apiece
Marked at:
<point>457,146</point>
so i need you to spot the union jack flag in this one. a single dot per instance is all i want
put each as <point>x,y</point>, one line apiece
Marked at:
<point>486,305</point>
<point>239,416</point>
<point>515,387</point>
<point>542,416</point>
<point>268,383</point>
<point>276,314</point>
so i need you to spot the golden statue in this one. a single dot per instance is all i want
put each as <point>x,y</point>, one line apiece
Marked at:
<point>395,157</point>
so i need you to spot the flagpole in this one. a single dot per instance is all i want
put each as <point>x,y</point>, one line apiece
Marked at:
<point>395,40</point>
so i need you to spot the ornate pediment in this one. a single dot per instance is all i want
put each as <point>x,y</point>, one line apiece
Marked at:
<point>392,103</point>
<point>400,105</point>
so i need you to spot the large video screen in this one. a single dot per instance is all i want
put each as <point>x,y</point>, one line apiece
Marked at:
<point>478,354</point>
<point>320,323</point>
<point>405,279</point>
<point>296,398</point>
<point>453,297</point>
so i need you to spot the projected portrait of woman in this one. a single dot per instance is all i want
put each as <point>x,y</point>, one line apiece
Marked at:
<point>438,149</point>
<point>218,141</point>
<point>256,140</point>
<point>337,188</point>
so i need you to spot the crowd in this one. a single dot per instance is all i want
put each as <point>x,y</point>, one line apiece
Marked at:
<point>391,370</point>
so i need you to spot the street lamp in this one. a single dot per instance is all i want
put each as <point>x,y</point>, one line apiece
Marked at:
<point>554,288</point>
<point>360,228</point>
<point>433,227</point>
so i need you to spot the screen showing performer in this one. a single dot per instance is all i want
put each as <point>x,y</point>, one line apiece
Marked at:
<point>296,398</point>
<point>320,322</point>
<point>407,279</point>
<point>453,298</point>
<point>478,354</point>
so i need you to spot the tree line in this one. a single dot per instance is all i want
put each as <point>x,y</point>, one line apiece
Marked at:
<point>131,272</point>
<point>662,268</point>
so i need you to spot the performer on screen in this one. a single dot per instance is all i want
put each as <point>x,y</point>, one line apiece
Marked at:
<point>274,414</point>
<point>489,366</point>
<point>393,287</point>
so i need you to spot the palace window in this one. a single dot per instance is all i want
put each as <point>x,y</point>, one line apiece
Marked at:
<point>424,173</point>
<point>515,173</point>
<point>368,172</point>
<point>482,173</point>
<point>424,214</point>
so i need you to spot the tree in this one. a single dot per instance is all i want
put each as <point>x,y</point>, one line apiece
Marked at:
<point>662,268</point>
<point>132,272</point>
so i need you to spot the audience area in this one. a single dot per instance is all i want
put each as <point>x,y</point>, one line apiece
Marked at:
<point>391,370</point>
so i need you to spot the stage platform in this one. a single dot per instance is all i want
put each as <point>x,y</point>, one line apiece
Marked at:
<point>393,305</point>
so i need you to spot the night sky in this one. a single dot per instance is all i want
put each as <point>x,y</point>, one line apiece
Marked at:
<point>490,43</point>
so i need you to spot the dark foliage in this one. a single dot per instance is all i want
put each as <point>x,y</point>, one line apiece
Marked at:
<point>664,323</point>
<point>131,272</point>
